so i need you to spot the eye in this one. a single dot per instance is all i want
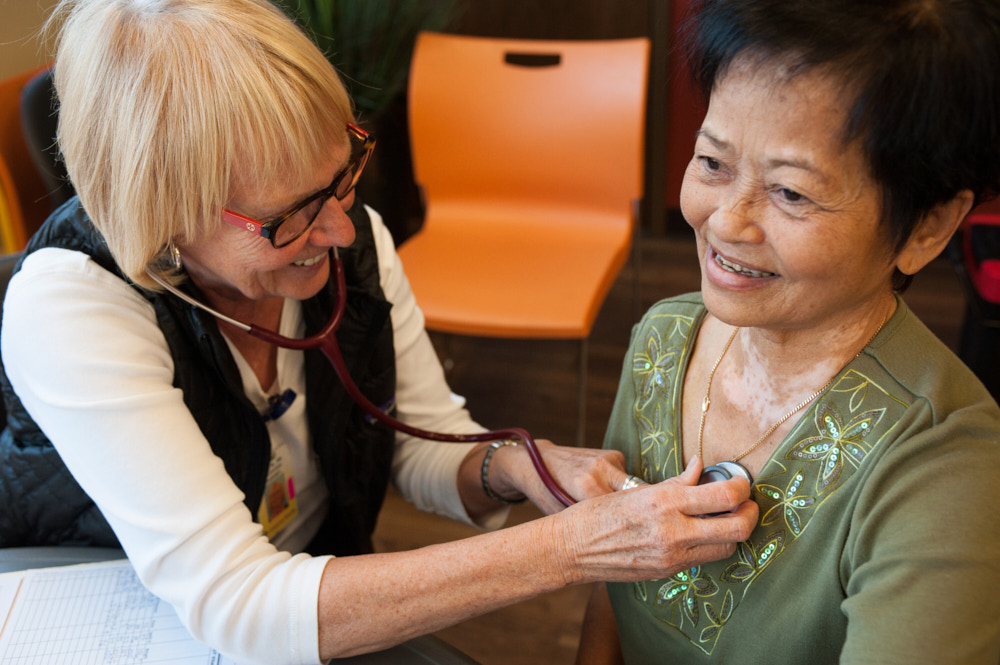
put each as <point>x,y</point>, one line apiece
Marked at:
<point>790,195</point>
<point>791,201</point>
<point>710,164</point>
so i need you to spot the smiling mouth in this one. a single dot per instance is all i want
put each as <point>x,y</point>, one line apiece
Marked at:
<point>309,262</point>
<point>737,269</point>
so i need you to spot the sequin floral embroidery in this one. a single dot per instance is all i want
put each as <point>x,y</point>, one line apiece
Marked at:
<point>681,592</point>
<point>790,502</point>
<point>821,453</point>
<point>654,372</point>
<point>837,442</point>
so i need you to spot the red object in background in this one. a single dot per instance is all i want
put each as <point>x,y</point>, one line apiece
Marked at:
<point>981,254</point>
<point>988,208</point>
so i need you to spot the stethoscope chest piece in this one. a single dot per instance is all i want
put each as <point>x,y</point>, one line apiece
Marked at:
<point>724,471</point>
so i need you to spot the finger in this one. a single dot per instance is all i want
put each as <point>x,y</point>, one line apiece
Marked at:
<point>692,472</point>
<point>688,477</point>
<point>582,473</point>
<point>731,527</point>
<point>615,457</point>
<point>592,472</point>
<point>718,497</point>
<point>714,552</point>
<point>600,471</point>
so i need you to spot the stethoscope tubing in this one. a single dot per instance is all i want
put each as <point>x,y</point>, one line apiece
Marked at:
<point>326,341</point>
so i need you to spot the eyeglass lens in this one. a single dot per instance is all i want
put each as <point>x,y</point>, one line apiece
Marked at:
<point>294,226</point>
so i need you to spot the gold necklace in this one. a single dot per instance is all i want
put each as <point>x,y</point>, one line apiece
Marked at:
<point>770,430</point>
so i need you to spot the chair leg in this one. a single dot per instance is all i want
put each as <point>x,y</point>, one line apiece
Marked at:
<point>581,398</point>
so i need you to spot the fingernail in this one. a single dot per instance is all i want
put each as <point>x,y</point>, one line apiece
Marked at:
<point>691,462</point>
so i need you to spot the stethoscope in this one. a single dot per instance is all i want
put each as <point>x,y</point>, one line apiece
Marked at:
<point>326,341</point>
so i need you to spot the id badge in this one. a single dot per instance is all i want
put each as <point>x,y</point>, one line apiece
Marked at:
<point>278,506</point>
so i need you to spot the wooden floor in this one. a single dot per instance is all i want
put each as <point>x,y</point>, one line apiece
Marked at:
<point>533,385</point>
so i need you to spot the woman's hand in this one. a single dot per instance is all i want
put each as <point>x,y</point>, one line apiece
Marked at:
<point>582,473</point>
<point>374,601</point>
<point>653,531</point>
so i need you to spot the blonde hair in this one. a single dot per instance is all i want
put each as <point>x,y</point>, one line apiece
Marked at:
<point>165,104</point>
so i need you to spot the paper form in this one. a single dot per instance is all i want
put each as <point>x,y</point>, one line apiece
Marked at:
<point>98,614</point>
<point>9,584</point>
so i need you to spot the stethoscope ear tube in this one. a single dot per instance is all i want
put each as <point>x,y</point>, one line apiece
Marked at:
<point>326,341</point>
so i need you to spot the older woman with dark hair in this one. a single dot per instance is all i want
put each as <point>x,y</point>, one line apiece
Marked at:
<point>215,153</point>
<point>843,144</point>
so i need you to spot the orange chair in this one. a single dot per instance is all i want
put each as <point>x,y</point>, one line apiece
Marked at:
<point>23,192</point>
<point>530,158</point>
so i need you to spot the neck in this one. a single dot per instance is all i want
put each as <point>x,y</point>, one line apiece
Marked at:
<point>802,355</point>
<point>765,374</point>
<point>260,355</point>
<point>264,312</point>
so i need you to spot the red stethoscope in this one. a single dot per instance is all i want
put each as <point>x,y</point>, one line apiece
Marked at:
<point>326,341</point>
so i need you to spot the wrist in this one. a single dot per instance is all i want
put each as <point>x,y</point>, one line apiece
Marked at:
<point>561,537</point>
<point>500,492</point>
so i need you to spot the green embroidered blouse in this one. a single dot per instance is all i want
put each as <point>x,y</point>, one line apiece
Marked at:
<point>879,531</point>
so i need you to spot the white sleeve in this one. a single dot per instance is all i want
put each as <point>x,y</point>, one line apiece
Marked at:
<point>84,353</point>
<point>425,472</point>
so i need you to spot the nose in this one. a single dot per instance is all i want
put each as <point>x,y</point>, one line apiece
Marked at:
<point>737,219</point>
<point>333,227</point>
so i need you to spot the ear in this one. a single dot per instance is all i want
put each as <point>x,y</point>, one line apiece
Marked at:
<point>933,232</point>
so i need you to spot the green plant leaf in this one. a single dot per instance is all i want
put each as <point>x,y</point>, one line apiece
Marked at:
<point>369,42</point>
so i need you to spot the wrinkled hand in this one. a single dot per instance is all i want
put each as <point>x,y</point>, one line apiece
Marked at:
<point>583,473</point>
<point>653,531</point>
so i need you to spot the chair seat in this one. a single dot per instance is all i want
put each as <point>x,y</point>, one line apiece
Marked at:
<point>503,279</point>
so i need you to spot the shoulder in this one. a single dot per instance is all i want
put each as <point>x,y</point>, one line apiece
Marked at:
<point>677,317</point>
<point>688,305</point>
<point>64,298</point>
<point>385,246</point>
<point>922,369</point>
<point>914,420</point>
<point>54,277</point>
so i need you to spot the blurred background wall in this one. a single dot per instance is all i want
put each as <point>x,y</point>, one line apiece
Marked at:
<point>20,21</point>
<point>670,133</point>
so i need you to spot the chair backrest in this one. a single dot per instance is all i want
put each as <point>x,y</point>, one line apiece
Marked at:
<point>550,123</point>
<point>39,121</point>
<point>26,196</point>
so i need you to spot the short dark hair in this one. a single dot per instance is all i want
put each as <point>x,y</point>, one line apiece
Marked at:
<point>920,78</point>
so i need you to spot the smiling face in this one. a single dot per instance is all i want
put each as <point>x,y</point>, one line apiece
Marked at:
<point>786,216</point>
<point>237,270</point>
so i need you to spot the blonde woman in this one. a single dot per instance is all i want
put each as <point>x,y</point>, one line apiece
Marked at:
<point>215,154</point>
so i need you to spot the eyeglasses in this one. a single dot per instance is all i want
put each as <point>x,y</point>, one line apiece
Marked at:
<point>292,223</point>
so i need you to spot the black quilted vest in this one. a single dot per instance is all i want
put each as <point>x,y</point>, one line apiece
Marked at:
<point>43,504</point>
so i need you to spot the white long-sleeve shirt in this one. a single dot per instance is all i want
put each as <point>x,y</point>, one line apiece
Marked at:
<point>83,351</point>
